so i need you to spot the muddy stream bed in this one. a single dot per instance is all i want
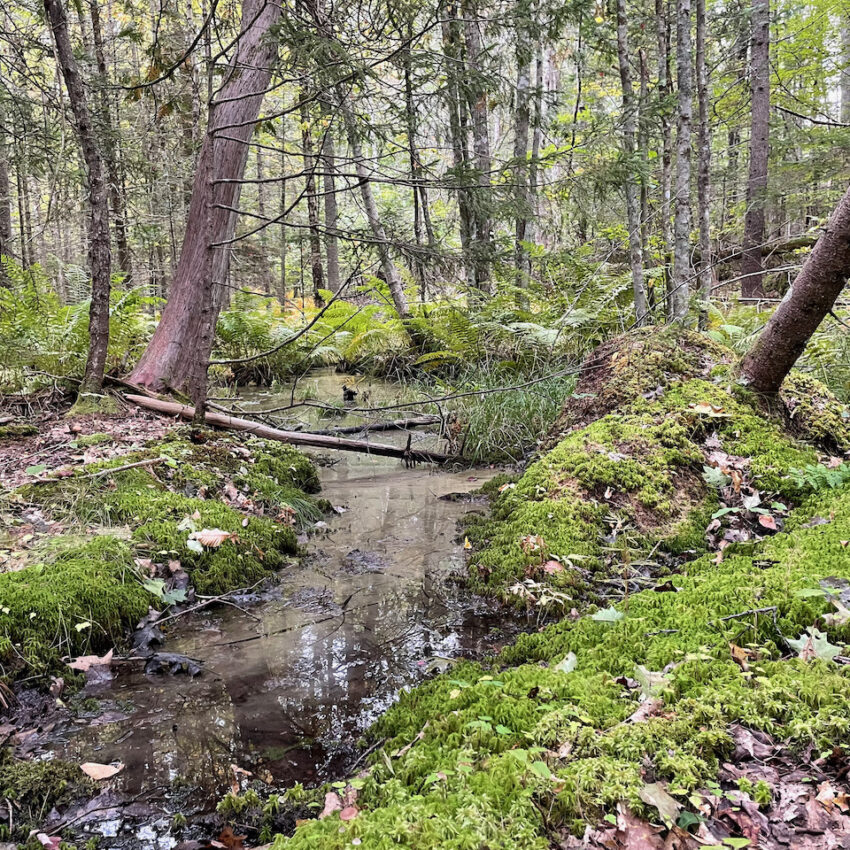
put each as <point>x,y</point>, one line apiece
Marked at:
<point>292,678</point>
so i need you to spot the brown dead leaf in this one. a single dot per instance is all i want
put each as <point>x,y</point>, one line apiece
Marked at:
<point>349,813</point>
<point>86,662</point>
<point>100,771</point>
<point>231,840</point>
<point>553,567</point>
<point>635,834</point>
<point>767,521</point>
<point>650,708</point>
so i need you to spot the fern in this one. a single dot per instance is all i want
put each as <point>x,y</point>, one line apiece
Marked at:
<point>817,477</point>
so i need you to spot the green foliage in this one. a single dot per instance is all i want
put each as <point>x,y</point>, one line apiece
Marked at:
<point>817,476</point>
<point>40,334</point>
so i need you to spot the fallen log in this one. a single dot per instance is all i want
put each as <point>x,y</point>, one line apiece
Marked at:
<point>296,438</point>
<point>394,425</point>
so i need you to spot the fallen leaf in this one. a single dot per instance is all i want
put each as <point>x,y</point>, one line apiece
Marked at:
<point>332,804</point>
<point>552,567</point>
<point>231,840</point>
<point>212,538</point>
<point>635,834</point>
<point>655,794</point>
<point>100,771</point>
<point>567,664</point>
<point>86,662</point>
<point>349,813</point>
<point>767,521</point>
<point>814,645</point>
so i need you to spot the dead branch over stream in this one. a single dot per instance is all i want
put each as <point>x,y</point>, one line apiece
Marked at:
<point>321,441</point>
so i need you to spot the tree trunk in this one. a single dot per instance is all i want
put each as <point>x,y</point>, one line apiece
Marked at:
<point>100,259</point>
<point>331,213</point>
<point>261,210</point>
<point>682,225</point>
<point>452,53</point>
<point>282,293</point>
<point>310,162</point>
<point>181,345</point>
<point>752,270</point>
<point>110,153</point>
<point>522,120</point>
<point>845,67</point>
<point>662,33</point>
<point>631,184</point>
<point>6,232</point>
<point>703,170</point>
<point>810,299</point>
<point>391,275</point>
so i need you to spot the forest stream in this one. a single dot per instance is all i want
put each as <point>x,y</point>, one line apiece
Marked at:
<point>291,677</point>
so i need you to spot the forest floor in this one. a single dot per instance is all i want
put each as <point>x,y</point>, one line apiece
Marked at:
<point>693,693</point>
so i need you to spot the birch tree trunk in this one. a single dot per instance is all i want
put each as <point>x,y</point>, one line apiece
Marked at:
<point>811,297</point>
<point>706,276</point>
<point>752,269</point>
<point>178,353</point>
<point>682,224</point>
<point>100,259</point>
<point>631,184</point>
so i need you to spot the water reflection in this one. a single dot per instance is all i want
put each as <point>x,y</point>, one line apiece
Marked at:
<point>290,683</point>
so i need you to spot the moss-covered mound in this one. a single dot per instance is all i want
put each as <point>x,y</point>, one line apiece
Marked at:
<point>599,711</point>
<point>81,597</point>
<point>633,481</point>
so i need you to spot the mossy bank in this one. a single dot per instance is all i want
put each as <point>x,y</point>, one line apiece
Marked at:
<point>585,716</point>
<point>125,533</point>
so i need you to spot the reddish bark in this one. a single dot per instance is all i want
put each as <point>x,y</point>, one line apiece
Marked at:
<point>812,296</point>
<point>178,354</point>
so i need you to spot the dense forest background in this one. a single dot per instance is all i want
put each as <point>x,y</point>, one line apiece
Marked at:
<point>497,185</point>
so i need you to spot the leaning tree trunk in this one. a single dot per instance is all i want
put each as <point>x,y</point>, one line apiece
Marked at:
<point>181,345</point>
<point>810,299</point>
<point>100,259</point>
<point>631,187</point>
<point>752,269</point>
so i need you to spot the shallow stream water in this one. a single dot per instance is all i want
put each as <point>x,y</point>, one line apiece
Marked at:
<point>291,681</point>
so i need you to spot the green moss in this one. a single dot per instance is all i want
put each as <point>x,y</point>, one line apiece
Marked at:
<point>815,412</point>
<point>44,608</point>
<point>17,431</point>
<point>88,403</point>
<point>479,737</point>
<point>36,787</point>
<point>86,440</point>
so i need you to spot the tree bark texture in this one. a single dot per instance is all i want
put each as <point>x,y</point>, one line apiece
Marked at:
<point>703,168</point>
<point>752,269</point>
<point>100,258</point>
<point>196,291</point>
<point>310,162</point>
<point>522,121</point>
<point>629,162</point>
<point>662,34</point>
<point>331,213</point>
<point>809,300</point>
<point>680,294</point>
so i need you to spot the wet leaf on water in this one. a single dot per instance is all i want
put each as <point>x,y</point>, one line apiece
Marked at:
<point>100,771</point>
<point>86,662</point>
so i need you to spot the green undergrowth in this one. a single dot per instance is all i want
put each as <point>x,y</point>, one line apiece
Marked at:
<point>540,740</point>
<point>35,788</point>
<point>83,597</point>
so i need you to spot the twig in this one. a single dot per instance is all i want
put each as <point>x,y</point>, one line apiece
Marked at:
<point>148,462</point>
<point>207,602</point>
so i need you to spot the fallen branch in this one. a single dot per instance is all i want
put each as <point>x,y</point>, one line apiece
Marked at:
<point>394,425</point>
<point>148,462</point>
<point>295,438</point>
